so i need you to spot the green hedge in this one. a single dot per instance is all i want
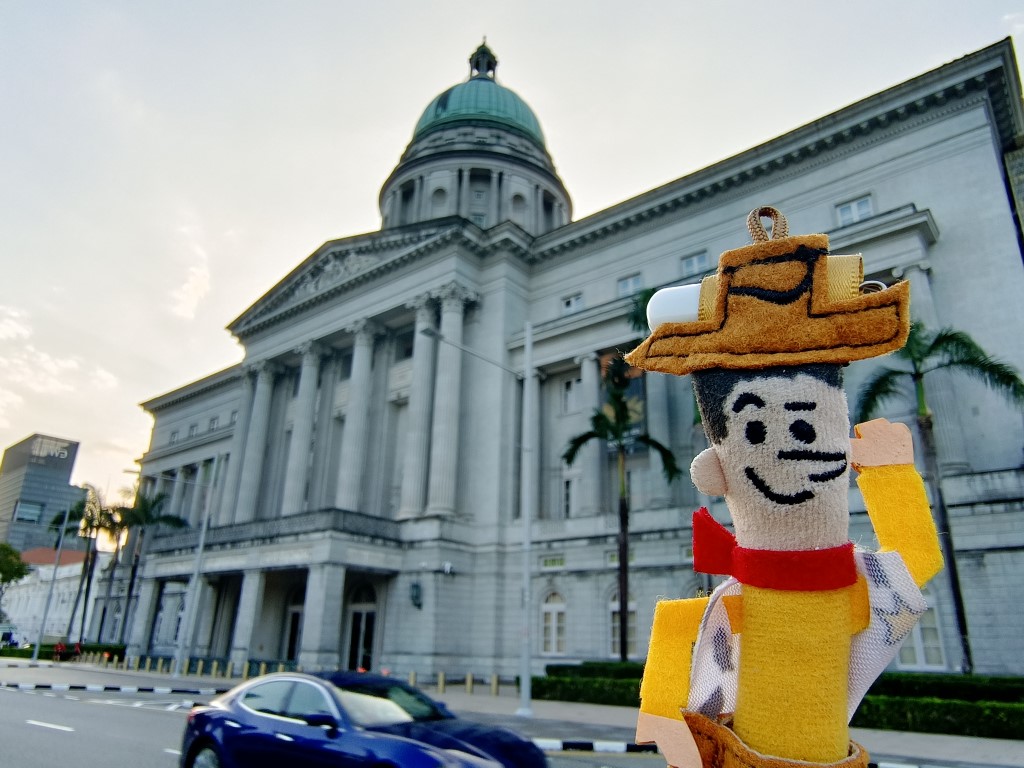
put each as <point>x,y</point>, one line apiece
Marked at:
<point>940,686</point>
<point>612,670</point>
<point>591,690</point>
<point>995,709</point>
<point>987,719</point>
<point>46,651</point>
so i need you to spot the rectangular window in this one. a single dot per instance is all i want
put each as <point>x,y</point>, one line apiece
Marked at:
<point>630,633</point>
<point>695,264</point>
<point>403,348</point>
<point>571,304</point>
<point>629,286</point>
<point>552,562</point>
<point>854,211</point>
<point>29,511</point>
<point>922,650</point>
<point>571,394</point>
<point>480,219</point>
<point>193,430</point>
<point>174,437</point>
<point>234,417</point>
<point>214,423</point>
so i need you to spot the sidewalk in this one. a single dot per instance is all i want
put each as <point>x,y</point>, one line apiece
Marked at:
<point>550,721</point>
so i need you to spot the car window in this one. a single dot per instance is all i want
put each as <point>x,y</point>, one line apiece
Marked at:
<point>367,710</point>
<point>306,700</point>
<point>419,706</point>
<point>268,698</point>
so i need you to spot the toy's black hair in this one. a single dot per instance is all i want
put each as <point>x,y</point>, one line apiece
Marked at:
<point>714,385</point>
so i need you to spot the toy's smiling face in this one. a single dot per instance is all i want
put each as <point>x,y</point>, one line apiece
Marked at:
<point>784,459</point>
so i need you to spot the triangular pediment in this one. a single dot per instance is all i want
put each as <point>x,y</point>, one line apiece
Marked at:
<point>340,265</point>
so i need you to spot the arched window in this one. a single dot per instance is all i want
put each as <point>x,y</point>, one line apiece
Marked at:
<point>553,625</point>
<point>613,612</point>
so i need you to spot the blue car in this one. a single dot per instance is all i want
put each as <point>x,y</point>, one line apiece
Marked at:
<point>343,719</point>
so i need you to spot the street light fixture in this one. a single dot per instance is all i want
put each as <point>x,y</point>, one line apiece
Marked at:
<point>527,493</point>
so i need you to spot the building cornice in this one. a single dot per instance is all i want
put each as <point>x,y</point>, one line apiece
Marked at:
<point>225,378</point>
<point>987,76</point>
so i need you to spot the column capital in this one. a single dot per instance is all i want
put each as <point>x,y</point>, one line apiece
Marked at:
<point>310,349</point>
<point>916,266</point>
<point>365,329</point>
<point>263,368</point>
<point>586,357</point>
<point>454,295</point>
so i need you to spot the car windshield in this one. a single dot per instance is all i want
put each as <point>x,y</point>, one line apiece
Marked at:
<point>395,703</point>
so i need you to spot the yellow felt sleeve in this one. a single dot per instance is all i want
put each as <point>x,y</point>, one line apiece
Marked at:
<point>666,683</point>
<point>898,507</point>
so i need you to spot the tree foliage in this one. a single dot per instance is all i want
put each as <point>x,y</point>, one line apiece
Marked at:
<point>12,569</point>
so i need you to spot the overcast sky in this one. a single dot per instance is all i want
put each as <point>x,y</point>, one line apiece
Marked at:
<point>164,164</point>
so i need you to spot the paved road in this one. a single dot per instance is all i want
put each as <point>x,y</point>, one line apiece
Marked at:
<point>553,724</point>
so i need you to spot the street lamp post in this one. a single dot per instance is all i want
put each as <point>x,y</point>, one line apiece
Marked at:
<point>53,582</point>
<point>527,493</point>
<point>187,630</point>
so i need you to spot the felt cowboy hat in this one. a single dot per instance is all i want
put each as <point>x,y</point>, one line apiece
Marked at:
<point>782,301</point>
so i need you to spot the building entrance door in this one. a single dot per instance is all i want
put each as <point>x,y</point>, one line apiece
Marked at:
<point>294,629</point>
<point>362,620</point>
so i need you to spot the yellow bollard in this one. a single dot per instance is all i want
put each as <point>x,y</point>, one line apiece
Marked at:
<point>135,663</point>
<point>159,665</point>
<point>199,668</point>
<point>495,685</point>
<point>440,682</point>
<point>245,669</point>
<point>263,668</point>
<point>469,683</point>
<point>280,666</point>
<point>229,669</point>
<point>214,668</point>
<point>149,663</point>
<point>412,678</point>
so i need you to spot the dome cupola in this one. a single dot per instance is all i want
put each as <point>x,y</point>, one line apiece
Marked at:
<point>477,151</point>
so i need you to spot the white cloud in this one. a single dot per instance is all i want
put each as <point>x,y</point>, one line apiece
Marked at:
<point>186,297</point>
<point>13,324</point>
<point>38,371</point>
<point>8,401</point>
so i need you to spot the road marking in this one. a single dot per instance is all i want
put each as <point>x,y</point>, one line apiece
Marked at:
<point>54,726</point>
<point>172,751</point>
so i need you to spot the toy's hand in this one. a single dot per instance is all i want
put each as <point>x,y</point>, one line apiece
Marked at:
<point>881,443</point>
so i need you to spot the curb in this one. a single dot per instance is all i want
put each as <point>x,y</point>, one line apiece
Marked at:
<point>162,690</point>
<point>556,745</point>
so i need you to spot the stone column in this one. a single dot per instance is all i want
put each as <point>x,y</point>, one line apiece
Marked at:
<point>659,428</point>
<point>255,444</point>
<point>352,462</point>
<point>493,202</point>
<point>592,458</point>
<point>941,398</point>
<point>297,468</point>
<point>226,510</point>
<point>206,599</point>
<point>321,617</point>
<point>178,495</point>
<point>464,193</point>
<point>444,444</point>
<point>417,441</point>
<point>323,467</point>
<point>142,618</point>
<point>249,602</point>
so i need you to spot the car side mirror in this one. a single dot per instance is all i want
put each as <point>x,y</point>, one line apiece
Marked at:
<point>322,720</point>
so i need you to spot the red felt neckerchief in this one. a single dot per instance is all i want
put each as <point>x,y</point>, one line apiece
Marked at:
<point>715,551</point>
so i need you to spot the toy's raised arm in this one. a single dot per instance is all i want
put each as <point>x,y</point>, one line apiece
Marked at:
<point>894,494</point>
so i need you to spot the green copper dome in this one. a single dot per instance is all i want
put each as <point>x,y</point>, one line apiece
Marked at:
<point>480,99</point>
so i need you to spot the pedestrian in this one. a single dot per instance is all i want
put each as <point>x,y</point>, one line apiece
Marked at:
<point>58,650</point>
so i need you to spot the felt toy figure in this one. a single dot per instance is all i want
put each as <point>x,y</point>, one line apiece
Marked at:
<point>769,669</point>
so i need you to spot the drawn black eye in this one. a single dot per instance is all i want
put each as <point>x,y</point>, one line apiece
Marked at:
<point>802,431</point>
<point>756,433</point>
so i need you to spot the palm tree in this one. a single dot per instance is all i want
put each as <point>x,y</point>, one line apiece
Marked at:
<point>87,518</point>
<point>146,512</point>
<point>116,527</point>
<point>924,353</point>
<point>614,425</point>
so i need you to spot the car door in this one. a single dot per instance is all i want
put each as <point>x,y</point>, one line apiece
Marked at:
<point>322,744</point>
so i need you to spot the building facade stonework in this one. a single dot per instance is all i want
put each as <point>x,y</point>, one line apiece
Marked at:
<point>360,470</point>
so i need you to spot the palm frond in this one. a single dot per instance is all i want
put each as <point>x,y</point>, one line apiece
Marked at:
<point>958,351</point>
<point>669,467</point>
<point>576,445</point>
<point>637,315</point>
<point>880,386</point>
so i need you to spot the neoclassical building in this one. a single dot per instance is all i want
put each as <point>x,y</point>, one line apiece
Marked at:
<point>362,470</point>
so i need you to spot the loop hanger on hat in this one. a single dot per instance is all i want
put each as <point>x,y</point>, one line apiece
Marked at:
<point>758,234</point>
